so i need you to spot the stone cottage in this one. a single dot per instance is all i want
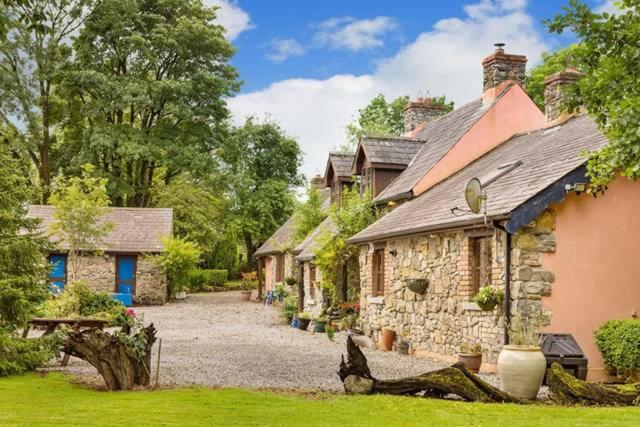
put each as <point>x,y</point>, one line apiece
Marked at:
<point>538,237</point>
<point>121,264</point>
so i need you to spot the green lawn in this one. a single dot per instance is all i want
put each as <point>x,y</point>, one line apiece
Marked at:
<point>53,400</point>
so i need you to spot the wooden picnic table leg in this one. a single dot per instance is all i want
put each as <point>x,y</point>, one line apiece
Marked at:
<point>25,333</point>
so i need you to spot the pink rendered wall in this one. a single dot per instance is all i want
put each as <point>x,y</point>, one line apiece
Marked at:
<point>267,273</point>
<point>513,113</point>
<point>596,265</point>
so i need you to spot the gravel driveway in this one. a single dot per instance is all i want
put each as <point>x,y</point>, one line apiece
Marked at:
<point>217,340</point>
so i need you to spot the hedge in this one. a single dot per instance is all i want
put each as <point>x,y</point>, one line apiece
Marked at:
<point>619,343</point>
<point>199,278</point>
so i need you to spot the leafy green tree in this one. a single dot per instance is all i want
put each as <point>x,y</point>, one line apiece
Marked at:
<point>261,168</point>
<point>176,261</point>
<point>552,62</point>
<point>33,57</point>
<point>334,253</point>
<point>608,52</point>
<point>80,204</point>
<point>382,117</point>
<point>198,214</point>
<point>147,93</point>
<point>23,267</point>
<point>308,215</point>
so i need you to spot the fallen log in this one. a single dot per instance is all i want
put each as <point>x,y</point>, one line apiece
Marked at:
<point>456,379</point>
<point>122,366</point>
<point>566,389</point>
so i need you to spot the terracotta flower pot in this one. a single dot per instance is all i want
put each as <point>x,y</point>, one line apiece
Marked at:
<point>245,295</point>
<point>386,343</point>
<point>521,370</point>
<point>471,361</point>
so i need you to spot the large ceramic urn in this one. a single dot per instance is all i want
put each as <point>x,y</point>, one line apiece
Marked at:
<point>521,370</point>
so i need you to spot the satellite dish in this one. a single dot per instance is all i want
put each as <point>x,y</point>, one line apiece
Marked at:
<point>473,194</point>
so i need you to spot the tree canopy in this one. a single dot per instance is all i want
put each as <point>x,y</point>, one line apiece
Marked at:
<point>261,170</point>
<point>608,52</point>
<point>308,215</point>
<point>552,62</point>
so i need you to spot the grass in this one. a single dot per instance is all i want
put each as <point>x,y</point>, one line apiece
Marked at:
<point>239,285</point>
<point>54,400</point>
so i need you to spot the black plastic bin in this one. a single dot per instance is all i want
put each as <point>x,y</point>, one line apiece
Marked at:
<point>563,349</point>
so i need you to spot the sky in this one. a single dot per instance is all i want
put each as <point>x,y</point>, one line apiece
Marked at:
<point>310,66</point>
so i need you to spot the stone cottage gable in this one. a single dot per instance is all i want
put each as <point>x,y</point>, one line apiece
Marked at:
<point>135,230</point>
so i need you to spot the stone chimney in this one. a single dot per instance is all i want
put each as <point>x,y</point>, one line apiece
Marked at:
<point>421,111</point>
<point>500,67</point>
<point>556,88</point>
<point>317,182</point>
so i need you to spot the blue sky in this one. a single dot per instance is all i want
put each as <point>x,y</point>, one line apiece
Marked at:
<point>311,65</point>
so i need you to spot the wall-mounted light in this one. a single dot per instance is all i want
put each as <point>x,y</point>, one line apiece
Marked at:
<point>578,187</point>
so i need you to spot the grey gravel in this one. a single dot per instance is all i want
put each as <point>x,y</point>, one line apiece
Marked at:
<point>217,340</point>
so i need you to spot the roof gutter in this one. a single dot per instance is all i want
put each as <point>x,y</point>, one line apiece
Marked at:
<point>395,198</point>
<point>427,229</point>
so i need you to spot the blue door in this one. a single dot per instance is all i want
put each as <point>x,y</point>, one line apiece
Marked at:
<point>125,274</point>
<point>58,274</point>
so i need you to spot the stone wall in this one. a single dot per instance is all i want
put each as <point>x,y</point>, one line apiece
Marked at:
<point>445,317</point>
<point>289,268</point>
<point>317,304</point>
<point>99,272</point>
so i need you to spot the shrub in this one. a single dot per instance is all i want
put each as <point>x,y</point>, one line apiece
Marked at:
<point>199,278</point>
<point>290,306</point>
<point>78,301</point>
<point>619,343</point>
<point>178,259</point>
<point>280,289</point>
<point>19,355</point>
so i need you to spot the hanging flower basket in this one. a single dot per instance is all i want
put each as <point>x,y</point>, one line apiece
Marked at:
<point>418,286</point>
<point>488,298</point>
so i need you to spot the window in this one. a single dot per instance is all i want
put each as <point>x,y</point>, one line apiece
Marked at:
<point>481,263</point>
<point>312,281</point>
<point>378,272</point>
<point>280,268</point>
<point>58,274</point>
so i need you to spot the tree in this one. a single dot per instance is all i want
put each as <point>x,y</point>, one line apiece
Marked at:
<point>334,254</point>
<point>380,117</point>
<point>22,263</point>
<point>552,62</point>
<point>178,258</point>
<point>198,214</point>
<point>33,57</point>
<point>308,215</point>
<point>80,203</point>
<point>261,168</point>
<point>608,51</point>
<point>147,93</point>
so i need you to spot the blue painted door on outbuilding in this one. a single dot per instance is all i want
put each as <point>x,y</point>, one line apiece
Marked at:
<point>125,274</point>
<point>58,274</point>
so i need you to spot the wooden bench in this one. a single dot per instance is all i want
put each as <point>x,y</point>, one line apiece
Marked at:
<point>51,325</point>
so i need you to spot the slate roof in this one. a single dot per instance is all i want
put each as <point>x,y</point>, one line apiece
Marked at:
<point>341,164</point>
<point>311,244</point>
<point>135,230</point>
<point>439,136</point>
<point>282,239</point>
<point>395,150</point>
<point>546,154</point>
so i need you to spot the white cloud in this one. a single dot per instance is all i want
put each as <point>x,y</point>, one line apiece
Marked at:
<point>232,17</point>
<point>348,33</point>
<point>607,6</point>
<point>283,49</point>
<point>445,60</point>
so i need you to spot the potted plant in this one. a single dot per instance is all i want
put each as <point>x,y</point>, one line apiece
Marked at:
<point>521,364</point>
<point>471,356</point>
<point>290,281</point>
<point>289,308</point>
<point>247,279</point>
<point>319,324</point>
<point>418,286</point>
<point>330,330</point>
<point>304,319</point>
<point>488,298</point>
<point>403,344</point>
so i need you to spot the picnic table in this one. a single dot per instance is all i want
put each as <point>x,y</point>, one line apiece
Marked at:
<point>52,324</point>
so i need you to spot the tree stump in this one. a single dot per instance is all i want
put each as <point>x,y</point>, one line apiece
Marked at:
<point>113,359</point>
<point>456,379</point>
<point>566,389</point>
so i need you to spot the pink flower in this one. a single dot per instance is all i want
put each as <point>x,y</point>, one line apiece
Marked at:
<point>130,312</point>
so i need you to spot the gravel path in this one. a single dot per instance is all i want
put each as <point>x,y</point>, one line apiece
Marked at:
<point>217,340</point>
